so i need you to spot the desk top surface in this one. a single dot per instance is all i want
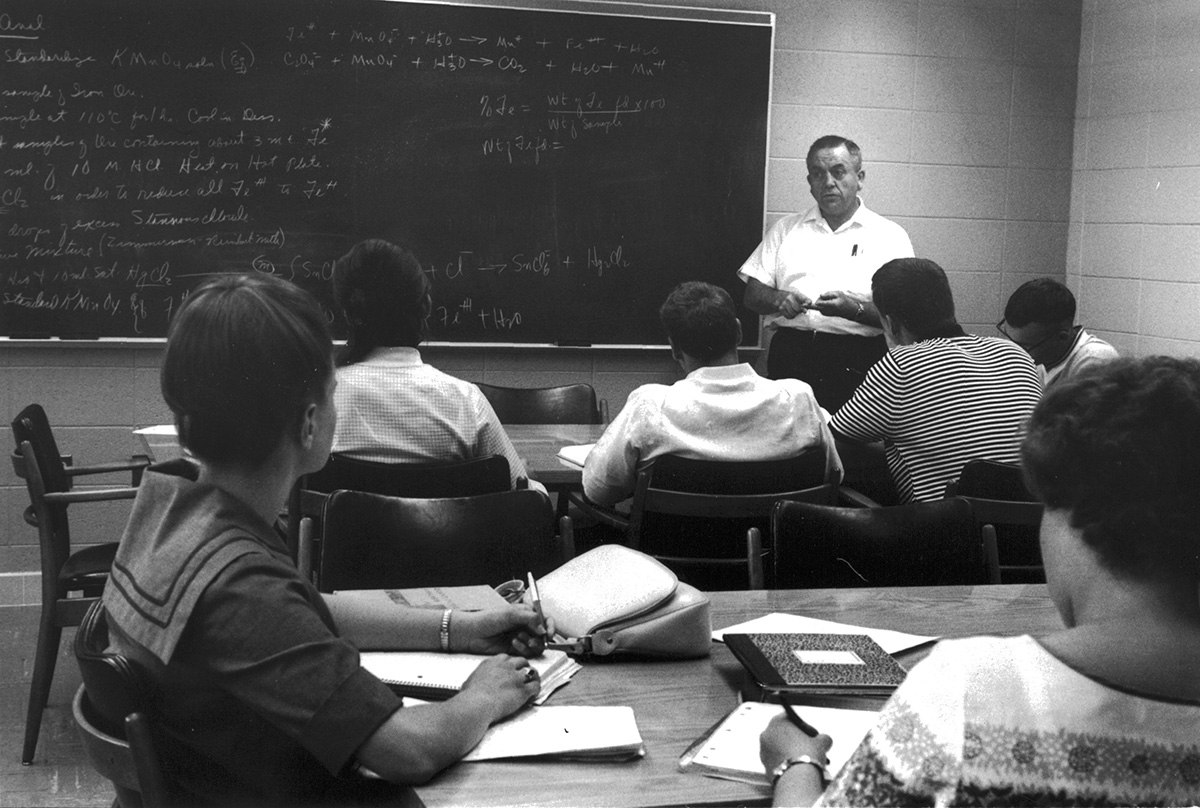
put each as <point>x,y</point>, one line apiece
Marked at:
<point>538,446</point>
<point>675,702</point>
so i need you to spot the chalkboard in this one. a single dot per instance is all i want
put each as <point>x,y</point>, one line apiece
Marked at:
<point>556,170</point>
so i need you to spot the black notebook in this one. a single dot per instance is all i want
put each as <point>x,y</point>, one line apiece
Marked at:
<point>822,664</point>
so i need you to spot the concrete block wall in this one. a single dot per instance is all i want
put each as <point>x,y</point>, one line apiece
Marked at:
<point>963,109</point>
<point>1134,243</point>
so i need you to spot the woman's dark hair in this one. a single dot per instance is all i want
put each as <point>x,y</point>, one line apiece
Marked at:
<point>245,355</point>
<point>1119,448</point>
<point>701,320</point>
<point>381,291</point>
<point>915,291</point>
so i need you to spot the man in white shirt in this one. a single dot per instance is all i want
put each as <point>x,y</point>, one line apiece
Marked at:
<point>722,410</point>
<point>1040,317</point>
<point>811,276</point>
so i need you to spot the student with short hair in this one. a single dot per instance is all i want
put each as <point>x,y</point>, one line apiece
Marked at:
<point>1105,711</point>
<point>1040,317</point>
<point>255,678</point>
<point>940,396</point>
<point>392,407</point>
<point>722,410</point>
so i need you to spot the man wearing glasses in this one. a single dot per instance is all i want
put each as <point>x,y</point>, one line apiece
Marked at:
<point>1040,317</point>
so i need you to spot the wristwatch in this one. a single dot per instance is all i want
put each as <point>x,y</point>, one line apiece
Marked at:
<point>778,771</point>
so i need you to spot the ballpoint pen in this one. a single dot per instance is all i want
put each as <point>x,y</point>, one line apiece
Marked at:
<point>794,717</point>
<point>537,604</point>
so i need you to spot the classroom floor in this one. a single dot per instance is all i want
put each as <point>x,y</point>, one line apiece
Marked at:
<point>60,774</point>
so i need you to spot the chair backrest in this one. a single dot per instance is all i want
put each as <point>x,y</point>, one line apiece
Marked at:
<point>32,425</point>
<point>464,478</point>
<point>568,404</point>
<point>54,528</point>
<point>919,544</point>
<point>370,541</point>
<point>693,515</point>
<point>112,712</point>
<point>1009,512</point>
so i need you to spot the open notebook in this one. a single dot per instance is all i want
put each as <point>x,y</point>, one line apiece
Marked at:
<point>729,750</point>
<point>564,733</point>
<point>437,676</point>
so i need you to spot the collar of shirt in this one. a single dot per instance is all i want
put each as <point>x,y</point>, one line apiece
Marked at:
<point>814,217</point>
<point>394,356</point>
<point>722,372</point>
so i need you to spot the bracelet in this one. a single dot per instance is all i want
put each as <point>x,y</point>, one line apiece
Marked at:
<point>444,636</point>
<point>778,771</point>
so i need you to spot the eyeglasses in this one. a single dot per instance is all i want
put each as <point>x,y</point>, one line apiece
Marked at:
<point>1028,348</point>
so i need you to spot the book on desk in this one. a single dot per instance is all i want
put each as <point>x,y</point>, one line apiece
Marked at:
<point>817,664</point>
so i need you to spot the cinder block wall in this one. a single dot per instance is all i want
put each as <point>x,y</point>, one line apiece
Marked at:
<point>964,111</point>
<point>1134,246</point>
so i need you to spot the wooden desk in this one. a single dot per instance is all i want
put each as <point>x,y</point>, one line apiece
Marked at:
<point>676,701</point>
<point>538,446</point>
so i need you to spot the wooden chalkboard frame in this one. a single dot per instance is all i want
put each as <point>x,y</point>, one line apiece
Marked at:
<point>81,212</point>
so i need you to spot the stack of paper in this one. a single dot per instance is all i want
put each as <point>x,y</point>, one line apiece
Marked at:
<point>575,455</point>
<point>564,733</point>
<point>779,623</point>
<point>434,675</point>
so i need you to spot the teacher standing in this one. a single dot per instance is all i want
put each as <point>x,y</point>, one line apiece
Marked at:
<point>812,276</point>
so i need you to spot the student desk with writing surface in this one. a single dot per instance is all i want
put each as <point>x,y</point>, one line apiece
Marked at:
<point>538,446</point>
<point>675,702</point>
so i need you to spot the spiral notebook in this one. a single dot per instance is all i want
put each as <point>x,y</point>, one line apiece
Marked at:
<point>436,676</point>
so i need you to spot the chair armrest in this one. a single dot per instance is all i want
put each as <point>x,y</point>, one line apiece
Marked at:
<point>136,464</point>
<point>855,499</point>
<point>97,495</point>
<point>605,515</point>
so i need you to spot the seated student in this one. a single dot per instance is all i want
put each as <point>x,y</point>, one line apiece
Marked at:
<point>392,407</point>
<point>940,397</point>
<point>722,410</point>
<point>1040,317</point>
<point>255,677</point>
<point>1103,712</point>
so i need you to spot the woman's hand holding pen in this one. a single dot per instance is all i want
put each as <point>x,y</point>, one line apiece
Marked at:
<point>783,739</point>
<point>514,629</point>
<point>504,683</point>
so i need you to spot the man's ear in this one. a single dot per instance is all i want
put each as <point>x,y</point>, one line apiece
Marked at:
<point>738,341</point>
<point>676,354</point>
<point>308,426</point>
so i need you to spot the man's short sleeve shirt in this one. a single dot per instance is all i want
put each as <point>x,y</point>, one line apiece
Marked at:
<point>801,254</point>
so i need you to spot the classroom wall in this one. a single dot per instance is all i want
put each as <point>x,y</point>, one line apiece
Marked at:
<point>1134,234</point>
<point>963,109</point>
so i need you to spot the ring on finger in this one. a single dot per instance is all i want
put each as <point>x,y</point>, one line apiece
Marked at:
<point>530,674</point>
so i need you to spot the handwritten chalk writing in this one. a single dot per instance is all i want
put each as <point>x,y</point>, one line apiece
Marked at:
<point>24,57</point>
<point>601,260</point>
<point>8,25</point>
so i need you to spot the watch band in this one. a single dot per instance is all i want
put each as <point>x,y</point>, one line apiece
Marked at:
<point>778,771</point>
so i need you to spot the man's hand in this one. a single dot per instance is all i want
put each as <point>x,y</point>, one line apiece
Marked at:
<point>508,630</point>
<point>791,304</point>
<point>837,304</point>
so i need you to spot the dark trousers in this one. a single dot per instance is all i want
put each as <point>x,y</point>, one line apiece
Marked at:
<point>833,364</point>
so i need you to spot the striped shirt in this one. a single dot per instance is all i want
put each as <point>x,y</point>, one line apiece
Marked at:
<point>937,404</point>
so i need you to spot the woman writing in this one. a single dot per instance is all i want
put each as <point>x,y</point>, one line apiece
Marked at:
<point>255,678</point>
<point>1104,712</point>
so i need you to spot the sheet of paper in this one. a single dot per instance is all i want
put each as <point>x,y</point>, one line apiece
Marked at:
<point>575,455</point>
<point>734,745</point>
<point>779,623</point>
<point>570,730</point>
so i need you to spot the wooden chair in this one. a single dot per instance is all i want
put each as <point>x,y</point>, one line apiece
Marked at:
<point>694,515</point>
<point>71,578</point>
<point>568,404</point>
<point>371,541</point>
<point>112,714</point>
<point>1008,514</point>
<point>919,544</point>
<point>464,478</point>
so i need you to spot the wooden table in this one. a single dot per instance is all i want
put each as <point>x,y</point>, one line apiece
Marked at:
<point>538,446</point>
<point>675,702</point>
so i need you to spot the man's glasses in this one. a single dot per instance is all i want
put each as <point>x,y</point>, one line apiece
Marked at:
<point>1028,348</point>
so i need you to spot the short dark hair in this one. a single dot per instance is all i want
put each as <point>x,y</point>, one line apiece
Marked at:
<point>245,355</point>
<point>381,290</point>
<point>916,292</point>
<point>1118,447</point>
<point>1041,300</point>
<point>832,142</point>
<point>701,320</point>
